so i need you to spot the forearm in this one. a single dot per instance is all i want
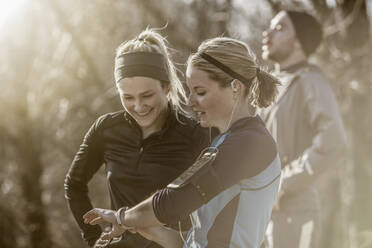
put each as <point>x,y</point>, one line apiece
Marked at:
<point>141,216</point>
<point>79,203</point>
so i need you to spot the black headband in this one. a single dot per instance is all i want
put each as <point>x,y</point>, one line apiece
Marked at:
<point>225,68</point>
<point>141,64</point>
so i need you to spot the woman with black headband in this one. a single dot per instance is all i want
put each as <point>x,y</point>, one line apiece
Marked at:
<point>230,190</point>
<point>146,145</point>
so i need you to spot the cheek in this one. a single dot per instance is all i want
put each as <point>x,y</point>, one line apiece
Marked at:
<point>123,102</point>
<point>127,104</point>
<point>158,102</point>
<point>213,105</point>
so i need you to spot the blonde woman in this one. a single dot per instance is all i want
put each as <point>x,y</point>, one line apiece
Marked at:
<point>230,190</point>
<point>144,146</point>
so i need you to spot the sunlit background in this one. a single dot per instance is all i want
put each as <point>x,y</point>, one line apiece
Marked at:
<point>56,78</point>
<point>9,8</point>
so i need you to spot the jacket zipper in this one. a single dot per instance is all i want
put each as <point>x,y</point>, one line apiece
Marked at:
<point>139,156</point>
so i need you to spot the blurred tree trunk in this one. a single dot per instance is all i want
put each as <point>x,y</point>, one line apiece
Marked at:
<point>8,228</point>
<point>27,137</point>
<point>30,174</point>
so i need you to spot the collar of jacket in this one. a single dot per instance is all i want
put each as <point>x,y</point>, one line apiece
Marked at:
<point>243,122</point>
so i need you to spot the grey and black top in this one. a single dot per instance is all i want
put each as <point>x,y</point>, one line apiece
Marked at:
<point>135,167</point>
<point>236,213</point>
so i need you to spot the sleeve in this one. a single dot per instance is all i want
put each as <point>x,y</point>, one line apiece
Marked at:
<point>328,146</point>
<point>86,162</point>
<point>172,205</point>
<point>239,157</point>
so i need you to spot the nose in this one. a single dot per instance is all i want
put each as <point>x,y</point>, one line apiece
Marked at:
<point>138,105</point>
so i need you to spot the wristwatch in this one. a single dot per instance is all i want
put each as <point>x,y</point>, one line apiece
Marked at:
<point>118,219</point>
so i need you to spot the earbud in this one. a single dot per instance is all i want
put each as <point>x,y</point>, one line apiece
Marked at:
<point>234,86</point>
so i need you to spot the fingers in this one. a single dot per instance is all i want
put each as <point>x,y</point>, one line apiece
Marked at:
<point>102,243</point>
<point>94,216</point>
<point>96,221</point>
<point>110,235</point>
<point>107,236</point>
<point>90,215</point>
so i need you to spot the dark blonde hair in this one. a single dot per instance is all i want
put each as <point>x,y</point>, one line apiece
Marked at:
<point>261,86</point>
<point>151,41</point>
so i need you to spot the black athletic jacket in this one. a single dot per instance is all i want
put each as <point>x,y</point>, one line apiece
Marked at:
<point>135,168</point>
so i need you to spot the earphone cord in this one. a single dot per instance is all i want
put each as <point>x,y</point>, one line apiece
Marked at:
<point>180,230</point>
<point>232,114</point>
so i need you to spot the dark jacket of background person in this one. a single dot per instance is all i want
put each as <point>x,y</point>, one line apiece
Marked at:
<point>135,168</point>
<point>306,123</point>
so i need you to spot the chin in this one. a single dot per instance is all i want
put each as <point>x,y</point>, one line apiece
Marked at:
<point>145,122</point>
<point>204,123</point>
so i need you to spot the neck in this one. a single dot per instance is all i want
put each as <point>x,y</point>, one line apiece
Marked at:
<point>294,58</point>
<point>242,110</point>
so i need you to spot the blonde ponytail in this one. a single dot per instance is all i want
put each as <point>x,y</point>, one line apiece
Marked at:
<point>263,89</point>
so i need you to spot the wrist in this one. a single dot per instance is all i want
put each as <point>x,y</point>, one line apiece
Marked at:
<point>120,217</point>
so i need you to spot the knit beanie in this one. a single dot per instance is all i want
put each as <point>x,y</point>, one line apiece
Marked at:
<point>308,30</point>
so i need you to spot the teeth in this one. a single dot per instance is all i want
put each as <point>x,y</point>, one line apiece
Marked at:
<point>143,114</point>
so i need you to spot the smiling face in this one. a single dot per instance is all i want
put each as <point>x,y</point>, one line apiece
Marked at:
<point>145,99</point>
<point>212,103</point>
<point>279,40</point>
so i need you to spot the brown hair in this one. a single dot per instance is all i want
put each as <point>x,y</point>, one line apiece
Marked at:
<point>236,55</point>
<point>151,41</point>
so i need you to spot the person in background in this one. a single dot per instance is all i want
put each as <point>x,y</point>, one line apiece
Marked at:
<point>230,190</point>
<point>144,146</point>
<point>306,123</point>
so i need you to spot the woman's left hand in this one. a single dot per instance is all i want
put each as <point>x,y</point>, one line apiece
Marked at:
<point>98,215</point>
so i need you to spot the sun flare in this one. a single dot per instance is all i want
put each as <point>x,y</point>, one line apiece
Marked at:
<point>9,8</point>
